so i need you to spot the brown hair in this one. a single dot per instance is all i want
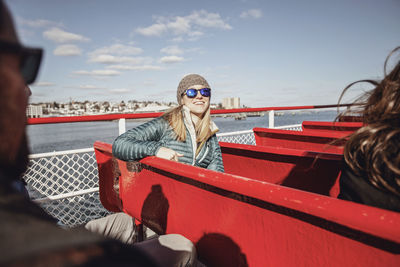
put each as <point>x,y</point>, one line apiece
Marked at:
<point>374,150</point>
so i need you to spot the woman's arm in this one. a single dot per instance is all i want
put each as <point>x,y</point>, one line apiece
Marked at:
<point>141,141</point>
<point>216,163</point>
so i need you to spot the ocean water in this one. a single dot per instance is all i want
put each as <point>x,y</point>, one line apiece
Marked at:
<point>58,137</point>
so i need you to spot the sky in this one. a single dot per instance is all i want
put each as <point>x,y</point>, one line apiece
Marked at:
<point>268,53</point>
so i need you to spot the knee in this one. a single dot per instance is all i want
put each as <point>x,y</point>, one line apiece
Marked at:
<point>182,245</point>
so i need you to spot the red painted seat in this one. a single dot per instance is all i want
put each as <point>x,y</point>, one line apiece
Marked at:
<point>234,219</point>
<point>309,171</point>
<point>329,142</point>
<point>325,126</point>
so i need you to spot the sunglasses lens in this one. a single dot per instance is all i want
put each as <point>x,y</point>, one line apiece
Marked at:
<point>191,93</point>
<point>30,65</point>
<point>206,92</point>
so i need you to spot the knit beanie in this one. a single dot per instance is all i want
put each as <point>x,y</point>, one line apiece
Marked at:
<point>187,81</point>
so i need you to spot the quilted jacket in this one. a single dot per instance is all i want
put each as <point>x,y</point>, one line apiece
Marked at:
<point>146,139</point>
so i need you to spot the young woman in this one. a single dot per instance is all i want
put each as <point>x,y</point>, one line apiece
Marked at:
<point>185,134</point>
<point>371,173</point>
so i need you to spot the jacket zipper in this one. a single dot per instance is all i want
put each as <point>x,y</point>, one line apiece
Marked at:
<point>204,155</point>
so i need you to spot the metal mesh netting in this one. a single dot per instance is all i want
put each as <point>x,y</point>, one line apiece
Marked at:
<point>296,127</point>
<point>77,210</point>
<point>50,176</point>
<point>242,138</point>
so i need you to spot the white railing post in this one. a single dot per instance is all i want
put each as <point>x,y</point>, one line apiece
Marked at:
<point>271,118</point>
<point>121,126</point>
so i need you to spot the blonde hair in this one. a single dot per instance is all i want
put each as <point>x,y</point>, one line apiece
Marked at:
<point>174,117</point>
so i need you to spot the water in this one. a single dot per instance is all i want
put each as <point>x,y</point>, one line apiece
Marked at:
<point>66,136</point>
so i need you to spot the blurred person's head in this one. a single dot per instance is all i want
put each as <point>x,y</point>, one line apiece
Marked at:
<point>383,104</point>
<point>374,150</point>
<point>18,67</point>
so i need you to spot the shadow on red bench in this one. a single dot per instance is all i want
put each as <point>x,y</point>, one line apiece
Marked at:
<point>250,221</point>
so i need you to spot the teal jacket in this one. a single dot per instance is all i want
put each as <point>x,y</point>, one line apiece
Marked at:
<point>146,139</point>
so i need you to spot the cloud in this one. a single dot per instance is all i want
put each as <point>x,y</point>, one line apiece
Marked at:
<point>193,36</point>
<point>67,50</point>
<point>110,59</point>
<point>120,90</point>
<point>37,23</point>
<point>130,67</point>
<point>153,30</point>
<point>118,49</point>
<point>162,93</point>
<point>177,39</point>
<point>197,50</point>
<point>209,20</point>
<point>36,95</point>
<point>171,59</point>
<point>172,50</point>
<point>119,56</point>
<point>251,13</point>
<point>180,25</point>
<point>190,25</point>
<point>59,36</point>
<point>89,87</point>
<point>196,34</point>
<point>43,84</point>
<point>97,73</point>
<point>149,83</point>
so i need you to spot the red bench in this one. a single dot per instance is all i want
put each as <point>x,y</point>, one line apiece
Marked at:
<point>329,142</point>
<point>233,219</point>
<point>325,126</point>
<point>309,171</point>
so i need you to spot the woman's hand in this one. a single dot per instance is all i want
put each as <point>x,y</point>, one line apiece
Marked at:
<point>167,153</point>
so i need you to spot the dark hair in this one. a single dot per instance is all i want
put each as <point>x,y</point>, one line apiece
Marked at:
<point>374,150</point>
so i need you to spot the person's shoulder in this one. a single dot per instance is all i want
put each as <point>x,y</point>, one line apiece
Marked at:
<point>160,120</point>
<point>155,123</point>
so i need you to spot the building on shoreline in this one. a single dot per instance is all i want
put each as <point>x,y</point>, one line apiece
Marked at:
<point>76,108</point>
<point>34,111</point>
<point>231,102</point>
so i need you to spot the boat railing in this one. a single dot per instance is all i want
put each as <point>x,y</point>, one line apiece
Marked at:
<point>65,183</point>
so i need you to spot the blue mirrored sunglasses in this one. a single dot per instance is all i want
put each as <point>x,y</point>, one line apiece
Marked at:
<point>30,59</point>
<point>192,93</point>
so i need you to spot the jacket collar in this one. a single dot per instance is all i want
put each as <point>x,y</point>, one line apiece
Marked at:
<point>187,118</point>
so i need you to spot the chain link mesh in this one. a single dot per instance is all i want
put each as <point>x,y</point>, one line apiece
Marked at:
<point>296,127</point>
<point>243,138</point>
<point>61,174</point>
